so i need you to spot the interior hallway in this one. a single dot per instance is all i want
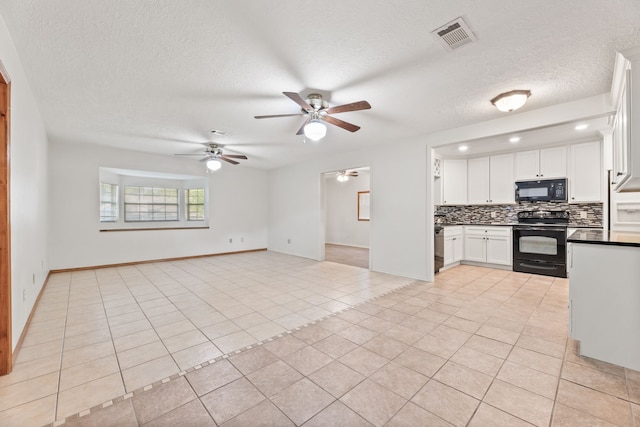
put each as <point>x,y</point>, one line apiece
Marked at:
<point>349,255</point>
<point>188,343</point>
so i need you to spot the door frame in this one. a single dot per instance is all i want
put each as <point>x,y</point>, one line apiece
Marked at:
<point>6,343</point>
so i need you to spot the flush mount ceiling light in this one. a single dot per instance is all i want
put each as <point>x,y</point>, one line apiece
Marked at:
<point>510,101</point>
<point>315,130</point>
<point>463,148</point>
<point>582,126</point>
<point>214,164</point>
<point>514,139</point>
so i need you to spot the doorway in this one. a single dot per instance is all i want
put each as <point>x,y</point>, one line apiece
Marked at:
<point>6,343</point>
<point>347,219</point>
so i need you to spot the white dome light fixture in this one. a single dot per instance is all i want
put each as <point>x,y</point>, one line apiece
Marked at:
<point>315,130</point>
<point>214,164</point>
<point>511,101</point>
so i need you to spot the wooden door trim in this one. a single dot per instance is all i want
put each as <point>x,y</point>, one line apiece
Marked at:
<point>6,344</point>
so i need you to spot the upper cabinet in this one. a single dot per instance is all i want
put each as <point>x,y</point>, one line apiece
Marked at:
<point>585,172</point>
<point>454,182</point>
<point>490,180</point>
<point>541,164</point>
<point>626,143</point>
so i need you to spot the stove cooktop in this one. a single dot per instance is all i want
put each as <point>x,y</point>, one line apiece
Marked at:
<point>543,217</point>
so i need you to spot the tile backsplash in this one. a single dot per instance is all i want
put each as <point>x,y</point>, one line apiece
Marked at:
<point>506,214</point>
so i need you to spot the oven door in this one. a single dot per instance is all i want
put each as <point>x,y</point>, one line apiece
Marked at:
<point>540,250</point>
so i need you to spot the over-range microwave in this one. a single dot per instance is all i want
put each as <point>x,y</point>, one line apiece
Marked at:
<point>542,190</point>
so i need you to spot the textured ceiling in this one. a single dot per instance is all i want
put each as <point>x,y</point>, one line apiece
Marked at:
<point>157,76</point>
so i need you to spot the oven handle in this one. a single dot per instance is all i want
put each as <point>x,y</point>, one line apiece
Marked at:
<point>530,228</point>
<point>538,266</point>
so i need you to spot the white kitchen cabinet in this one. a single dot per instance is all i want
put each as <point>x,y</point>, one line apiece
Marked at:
<point>585,172</point>
<point>490,180</point>
<point>488,244</point>
<point>541,164</point>
<point>454,184</point>
<point>501,180</point>
<point>453,245</point>
<point>604,314</point>
<point>624,94</point>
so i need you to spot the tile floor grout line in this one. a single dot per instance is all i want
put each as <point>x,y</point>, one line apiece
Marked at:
<point>246,347</point>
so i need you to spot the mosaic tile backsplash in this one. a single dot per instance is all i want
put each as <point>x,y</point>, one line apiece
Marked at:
<point>506,214</point>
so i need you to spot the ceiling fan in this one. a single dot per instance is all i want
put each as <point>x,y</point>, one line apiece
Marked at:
<point>318,111</point>
<point>343,176</point>
<point>213,154</point>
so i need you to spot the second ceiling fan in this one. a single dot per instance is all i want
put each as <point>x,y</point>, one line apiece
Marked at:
<point>318,111</point>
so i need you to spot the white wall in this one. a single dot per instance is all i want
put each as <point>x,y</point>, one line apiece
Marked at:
<point>342,225</point>
<point>238,209</point>
<point>29,207</point>
<point>399,240</point>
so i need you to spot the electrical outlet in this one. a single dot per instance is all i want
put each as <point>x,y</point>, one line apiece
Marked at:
<point>24,295</point>
<point>242,240</point>
<point>230,240</point>
<point>583,214</point>
<point>33,280</point>
<point>289,241</point>
<point>493,214</point>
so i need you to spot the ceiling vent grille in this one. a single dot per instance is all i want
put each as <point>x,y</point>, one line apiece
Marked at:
<point>455,34</point>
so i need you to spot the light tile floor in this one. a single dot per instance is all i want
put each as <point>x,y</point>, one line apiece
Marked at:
<point>479,347</point>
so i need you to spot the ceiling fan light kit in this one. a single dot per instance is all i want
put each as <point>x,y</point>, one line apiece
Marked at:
<point>511,101</point>
<point>315,130</point>
<point>214,164</point>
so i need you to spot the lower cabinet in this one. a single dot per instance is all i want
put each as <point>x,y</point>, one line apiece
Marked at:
<point>488,244</point>
<point>453,245</point>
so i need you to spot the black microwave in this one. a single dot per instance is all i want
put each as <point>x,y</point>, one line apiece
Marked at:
<point>542,190</point>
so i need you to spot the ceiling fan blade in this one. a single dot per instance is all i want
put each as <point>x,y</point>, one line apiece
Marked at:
<point>298,100</point>
<point>340,123</point>
<point>190,154</point>
<point>204,159</point>
<point>236,156</point>
<point>354,106</point>
<point>352,174</point>
<point>301,130</point>
<point>270,116</point>
<point>226,159</point>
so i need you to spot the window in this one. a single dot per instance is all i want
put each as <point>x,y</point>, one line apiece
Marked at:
<point>108,202</point>
<point>150,204</point>
<point>195,204</point>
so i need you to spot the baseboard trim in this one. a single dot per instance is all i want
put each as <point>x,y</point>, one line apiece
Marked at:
<point>28,322</point>
<point>125,264</point>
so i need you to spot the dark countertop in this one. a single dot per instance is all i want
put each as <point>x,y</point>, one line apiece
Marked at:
<point>511,224</point>
<point>604,237</point>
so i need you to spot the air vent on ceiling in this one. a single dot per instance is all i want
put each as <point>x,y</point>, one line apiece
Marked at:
<point>455,34</point>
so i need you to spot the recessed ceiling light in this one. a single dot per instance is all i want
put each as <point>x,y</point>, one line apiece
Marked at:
<point>582,126</point>
<point>463,148</point>
<point>514,139</point>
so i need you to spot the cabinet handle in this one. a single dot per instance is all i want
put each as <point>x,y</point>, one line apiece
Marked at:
<point>619,174</point>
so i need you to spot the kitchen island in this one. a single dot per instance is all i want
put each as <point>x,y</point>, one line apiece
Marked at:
<point>604,295</point>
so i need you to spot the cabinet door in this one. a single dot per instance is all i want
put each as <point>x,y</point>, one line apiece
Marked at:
<point>499,250</point>
<point>449,250</point>
<point>478,181</point>
<point>553,162</point>
<point>458,248</point>
<point>528,164</point>
<point>585,172</point>
<point>475,248</point>
<point>501,181</point>
<point>454,185</point>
